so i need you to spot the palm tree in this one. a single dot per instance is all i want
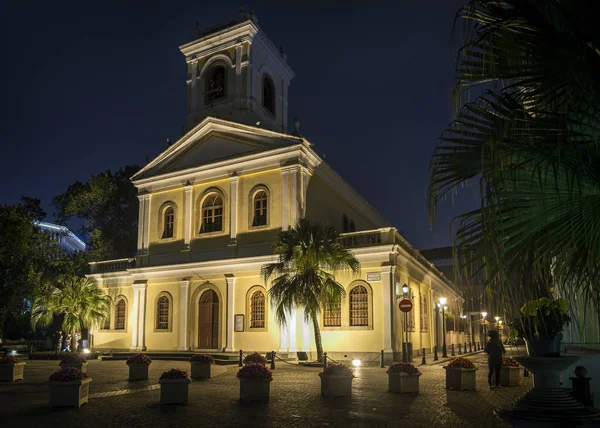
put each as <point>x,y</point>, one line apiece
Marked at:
<point>531,143</point>
<point>79,300</point>
<point>309,256</point>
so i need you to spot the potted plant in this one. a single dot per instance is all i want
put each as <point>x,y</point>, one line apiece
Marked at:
<point>460,374</point>
<point>510,372</point>
<point>138,366</point>
<point>255,382</point>
<point>255,358</point>
<point>75,361</point>
<point>174,386</point>
<point>69,387</point>
<point>403,377</point>
<point>11,369</point>
<point>541,324</point>
<point>201,365</point>
<point>336,381</point>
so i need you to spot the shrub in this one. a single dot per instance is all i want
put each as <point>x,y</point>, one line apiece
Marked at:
<point>202,358</point>
<point>403,368</point>
<point>337,369</point>
<point>174,374</point>
<point>509,362</point>
<point>255,358</point>
<point>138,359</point>
<point>541,317</point>
<point>67,375</point>
<point>255,372</point>
<point>9,360</point>
<point>460,362</point>
<point>71,359</point>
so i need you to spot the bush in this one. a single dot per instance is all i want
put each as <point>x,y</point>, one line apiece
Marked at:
<point>174,374</point>
<point>202,358</point>
<point>138,359</point>
<point>509,362</point>
<point>51,355</point>
<point>255,358</point>
<point>254,372</point>
<point>403,368</point>
<point>9,360</point>
<point>71,359</point>
<point>337,369</point>
<point>67,375</point>
<point>460,362</point>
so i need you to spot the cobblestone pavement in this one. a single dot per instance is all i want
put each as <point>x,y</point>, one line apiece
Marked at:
<point>295,400</point>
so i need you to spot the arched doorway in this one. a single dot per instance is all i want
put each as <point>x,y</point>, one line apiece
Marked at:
<point>208,320</point>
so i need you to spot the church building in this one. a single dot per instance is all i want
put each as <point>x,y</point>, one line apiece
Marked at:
<point>211,204</point>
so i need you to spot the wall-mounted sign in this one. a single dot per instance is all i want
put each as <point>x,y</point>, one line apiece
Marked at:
<point>373,276</point>
<point>239,322</point>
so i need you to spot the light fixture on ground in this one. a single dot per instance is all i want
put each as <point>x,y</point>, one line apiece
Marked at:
<point>443,301</point>
<point>356,363</point>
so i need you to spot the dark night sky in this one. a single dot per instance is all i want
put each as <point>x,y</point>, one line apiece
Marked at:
<point>89,86</point>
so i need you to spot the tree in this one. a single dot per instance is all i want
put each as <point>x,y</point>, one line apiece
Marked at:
<point>79,300</point>
<point>309,256</point>
<point>107,204</point>
<point>531,141</point>
<point>28,258</point>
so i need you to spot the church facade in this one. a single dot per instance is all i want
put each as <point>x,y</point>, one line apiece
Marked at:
<point>211,204</point>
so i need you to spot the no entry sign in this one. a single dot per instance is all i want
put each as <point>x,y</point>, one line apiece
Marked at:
<point>405,305</point>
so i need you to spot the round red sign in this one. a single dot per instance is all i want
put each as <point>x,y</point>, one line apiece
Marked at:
<point>405,305</point>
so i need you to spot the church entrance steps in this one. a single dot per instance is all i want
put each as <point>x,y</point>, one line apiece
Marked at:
<point>221,358</point>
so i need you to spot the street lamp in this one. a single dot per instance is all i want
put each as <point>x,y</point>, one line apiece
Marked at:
<point>406,347</point>
<point>497,318</point>
<point>483,315</point>
<point>443,301</point>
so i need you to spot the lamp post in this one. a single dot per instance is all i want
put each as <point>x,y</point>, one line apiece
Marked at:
<point>500,329</point>
<point>406,347</point>
<point>483,315</point>
<point>443,301</point>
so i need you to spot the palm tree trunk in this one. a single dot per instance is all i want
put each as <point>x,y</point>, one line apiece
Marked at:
<point>318,342</point>
<point>73,342</point>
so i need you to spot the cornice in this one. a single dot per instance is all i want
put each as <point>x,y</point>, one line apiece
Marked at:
<point>233,33</point>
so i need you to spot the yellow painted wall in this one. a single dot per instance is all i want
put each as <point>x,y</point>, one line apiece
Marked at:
<point>246,184</point>
<point>117,339</point>
<point>161,339</point>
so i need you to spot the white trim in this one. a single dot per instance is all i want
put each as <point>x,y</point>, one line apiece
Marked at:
<point>187,217</point>
<point>294,195</point>
<point>183,314</point>
<point>389,300</point>
<point>212,59</point>
<point>285,216</point>
<point>230,315</point>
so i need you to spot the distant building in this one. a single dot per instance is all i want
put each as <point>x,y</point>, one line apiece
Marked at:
<point>66,239</point>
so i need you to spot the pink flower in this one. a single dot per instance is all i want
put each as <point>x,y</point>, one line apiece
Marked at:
<point>174,374</point>
<point>403,368</point>
<point>255,372</point>
<point>255,358</point>
<point>9,360</point>
<point>202,358</point>
<point>138,359</point>
<point>67,374</point>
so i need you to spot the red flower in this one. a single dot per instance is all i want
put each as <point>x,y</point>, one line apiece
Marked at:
<point>337,369</point>
<point>202,358</point>
<point>460,362</point>
<point>138,359</point>
<point>509,362</point>
<point>174,374</point>
<point>9,360</point>
<point>67,374</point>
<point>255,358</point>
<point>255,372</point>
<point>403,367</point>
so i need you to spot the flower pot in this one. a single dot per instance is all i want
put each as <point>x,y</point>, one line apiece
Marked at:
<point>543,346</point>
<point>174,391</point>
<point>138,371</point>
<point>403,382</point>
<point>69,394</point>
<point>336,385</point>
<point>509,376</point>
<point>460,379</point>
<point>11,372</point>
<point>200,370</point>
<point>80,366</point>
<point>255,390</point>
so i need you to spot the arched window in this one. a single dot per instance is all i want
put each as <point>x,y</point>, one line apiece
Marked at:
<point>120,313</point>
<point>214,86</point>
<point>332,317</point>
<point>257,310</point>
<point>352,226</point>
<point>269,94</point>
<point>162,313</point>
<point>359,306</point>
<point>212,214</point>
<point>260,209</point>
<point>345,223</point>
<point>168,223</point>
<point>106,324</point>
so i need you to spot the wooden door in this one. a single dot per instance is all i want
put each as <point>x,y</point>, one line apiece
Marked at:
<point>208,321</point>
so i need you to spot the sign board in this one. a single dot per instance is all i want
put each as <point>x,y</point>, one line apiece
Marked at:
<point>373,276</point>
<point>239,322</point>
<point>405,305</point>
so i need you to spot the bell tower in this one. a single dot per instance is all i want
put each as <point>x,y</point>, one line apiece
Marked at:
<point>234,72</point>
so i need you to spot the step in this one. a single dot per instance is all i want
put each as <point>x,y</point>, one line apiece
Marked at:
<point>220,358</point>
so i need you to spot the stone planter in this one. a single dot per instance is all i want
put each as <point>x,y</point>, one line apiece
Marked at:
<point>200,370</point>
<point>255,390</point>
<point>336,385</point>
<point>460,379</point>
<point>80,366</point>
<point>69,394</point>
<point>174,391</point>
<point>138,371</point>
<point>510,376</point>
<point>11,372</point>
<point>543,346</point>
<point>403,382</point>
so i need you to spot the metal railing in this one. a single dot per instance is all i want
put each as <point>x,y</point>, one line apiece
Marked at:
<point>367,238</point>
<point>112,265</point>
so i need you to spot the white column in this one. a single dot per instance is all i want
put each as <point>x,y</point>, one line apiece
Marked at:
<point>194,86</point>
<point>284,338</point>
<point>387,277</point>
<point>140,243</point>
<point>146,222</point>
<point>305,331</point>
<point>285,202</point>
<point>304,187</point>
<point>284,121</point>
<point>233,204</point>
<point>135,317</point>
<point>183,314</point>
<point>187,215</point>
<point>230,315</point>
<point>142,318</point>
<point>292,331</point>
<point>293,196</point>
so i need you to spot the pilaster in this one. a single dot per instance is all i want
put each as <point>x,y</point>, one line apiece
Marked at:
<point>233,203</point>
<point>387,278</point>
<point>285,202</point>
<point>136,309</point>
<point>230,312</point>
<point>141,346</point>
<point>194,86</point>
<point>293,338</point>
<point>188,219</point>
<point>140,242</point>
<point>238,71</point>
<point>284,338</point>
<point>183,314</point>
<point>293,196</point>
<point>305,331</point>
<point>146,232</point>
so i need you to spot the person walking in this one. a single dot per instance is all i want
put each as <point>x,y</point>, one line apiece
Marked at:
<point>495,351</point>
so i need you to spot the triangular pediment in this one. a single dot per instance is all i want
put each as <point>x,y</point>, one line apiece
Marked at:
<point>212,141</point>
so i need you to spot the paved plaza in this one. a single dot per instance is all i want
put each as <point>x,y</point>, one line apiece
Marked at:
<point>295,400</point>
